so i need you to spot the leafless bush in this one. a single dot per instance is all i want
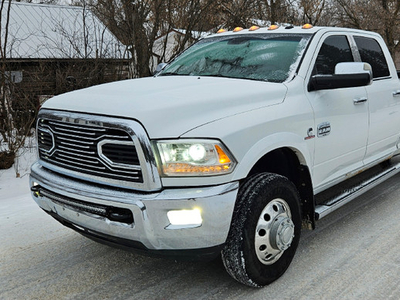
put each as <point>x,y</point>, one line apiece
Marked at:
<point>16,113</point>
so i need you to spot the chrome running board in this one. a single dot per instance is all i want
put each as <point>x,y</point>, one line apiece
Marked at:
<point>334,198</point>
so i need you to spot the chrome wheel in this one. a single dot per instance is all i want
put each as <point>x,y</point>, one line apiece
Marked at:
<point>274,231</point>
<point>265,230</point>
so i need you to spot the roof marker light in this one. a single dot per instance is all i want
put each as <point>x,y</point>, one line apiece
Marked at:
<point>221,30</point>
<point>307,26</point>
<point>252,28</point>
<point>237,29</point>
<point>273,27</point>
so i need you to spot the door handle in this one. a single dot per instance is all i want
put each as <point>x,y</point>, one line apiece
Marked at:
<point>360,100</point>
<point>396,93</point>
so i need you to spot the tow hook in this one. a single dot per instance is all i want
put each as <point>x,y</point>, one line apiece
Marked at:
<point>35,189</point>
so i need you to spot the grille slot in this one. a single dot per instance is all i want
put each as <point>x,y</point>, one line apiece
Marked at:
<point>122,154</point>
<point>102,152</point>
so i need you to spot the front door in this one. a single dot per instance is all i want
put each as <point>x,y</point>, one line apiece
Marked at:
<point>341,118</point>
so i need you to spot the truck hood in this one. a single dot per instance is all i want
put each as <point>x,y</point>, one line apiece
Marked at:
<point>170,106</point>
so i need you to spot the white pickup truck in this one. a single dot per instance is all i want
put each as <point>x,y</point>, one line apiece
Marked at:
<point>232,148</point>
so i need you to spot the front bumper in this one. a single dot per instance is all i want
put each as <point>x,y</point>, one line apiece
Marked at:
<point>149,228</point>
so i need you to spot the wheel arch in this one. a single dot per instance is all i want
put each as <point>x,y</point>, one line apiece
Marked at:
<point>290,163</point>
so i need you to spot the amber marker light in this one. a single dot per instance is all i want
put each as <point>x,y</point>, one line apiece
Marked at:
<point>307,26</point>
<point>253,28</point>
<point>237,29</point>
<point>221,30</point>
<point>273,27</point>
<point>222,157</point>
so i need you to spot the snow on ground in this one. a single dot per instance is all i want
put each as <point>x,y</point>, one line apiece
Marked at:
<point>14,182</point>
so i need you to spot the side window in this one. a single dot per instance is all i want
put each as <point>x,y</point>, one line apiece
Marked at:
<point>334,50</point>
<point>372,53</point>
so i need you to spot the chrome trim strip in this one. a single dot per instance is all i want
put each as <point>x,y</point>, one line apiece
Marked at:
<point>344,198</point>
<point>77,127</point>
<point>47,130</point>
<point>109,161</point>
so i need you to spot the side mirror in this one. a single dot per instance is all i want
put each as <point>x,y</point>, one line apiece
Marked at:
<point>349,74</point>
<point>159,68</point>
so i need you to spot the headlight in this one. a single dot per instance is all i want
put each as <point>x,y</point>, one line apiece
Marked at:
<point>194,158</point>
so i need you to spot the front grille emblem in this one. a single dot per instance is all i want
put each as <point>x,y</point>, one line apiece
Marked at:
<point>46,140</point>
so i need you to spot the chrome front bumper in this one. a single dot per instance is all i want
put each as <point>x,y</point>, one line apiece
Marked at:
<point>151,226</point>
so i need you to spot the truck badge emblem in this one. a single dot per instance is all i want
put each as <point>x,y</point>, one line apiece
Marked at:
<point>324,129</point>
<point>310,134</point>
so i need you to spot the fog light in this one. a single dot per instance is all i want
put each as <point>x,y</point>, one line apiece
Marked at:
<point>184,217</point>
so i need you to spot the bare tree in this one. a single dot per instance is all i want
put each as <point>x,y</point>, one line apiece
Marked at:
<point>70,54</point>
<point>245,13</point>
<point>16,112</point>
<point>312,10</point>
<point>382,16</point>
<point>239,13</point>
<point>140,23</point>
<point>277,11</point>
<point>193,16</point>
<point>130,22</point>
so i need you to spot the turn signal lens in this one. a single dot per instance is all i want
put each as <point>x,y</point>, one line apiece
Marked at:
<point>223,158</point>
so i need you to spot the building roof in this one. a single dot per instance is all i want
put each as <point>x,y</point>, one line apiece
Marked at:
<point>166,44</point>
<point>39,31</point>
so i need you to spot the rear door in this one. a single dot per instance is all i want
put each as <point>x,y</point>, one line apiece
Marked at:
<point>383,101</point>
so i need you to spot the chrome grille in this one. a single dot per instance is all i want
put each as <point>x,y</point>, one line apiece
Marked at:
<point>120,154</point>
<point>89,149</point>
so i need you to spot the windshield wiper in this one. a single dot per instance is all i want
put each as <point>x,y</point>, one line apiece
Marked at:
<point>234,77</point>
<point>172,74</point>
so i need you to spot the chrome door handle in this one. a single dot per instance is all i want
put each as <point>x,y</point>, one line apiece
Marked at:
<point>396,93</point>
<point>360,100</point>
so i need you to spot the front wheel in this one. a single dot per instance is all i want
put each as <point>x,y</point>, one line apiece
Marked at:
<point>265,230</point>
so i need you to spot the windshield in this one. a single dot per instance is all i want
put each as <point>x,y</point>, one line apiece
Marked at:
<point>266,57</point>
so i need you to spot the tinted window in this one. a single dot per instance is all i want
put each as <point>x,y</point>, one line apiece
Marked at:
<point>371,52</point>
<point>334,50</point>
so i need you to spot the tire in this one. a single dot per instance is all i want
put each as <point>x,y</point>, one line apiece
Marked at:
<point>265,230</point>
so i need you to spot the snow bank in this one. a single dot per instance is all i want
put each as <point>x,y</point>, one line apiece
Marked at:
<point>15,180</point>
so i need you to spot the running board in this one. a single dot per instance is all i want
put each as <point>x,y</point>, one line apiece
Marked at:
<point>349,193</point>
